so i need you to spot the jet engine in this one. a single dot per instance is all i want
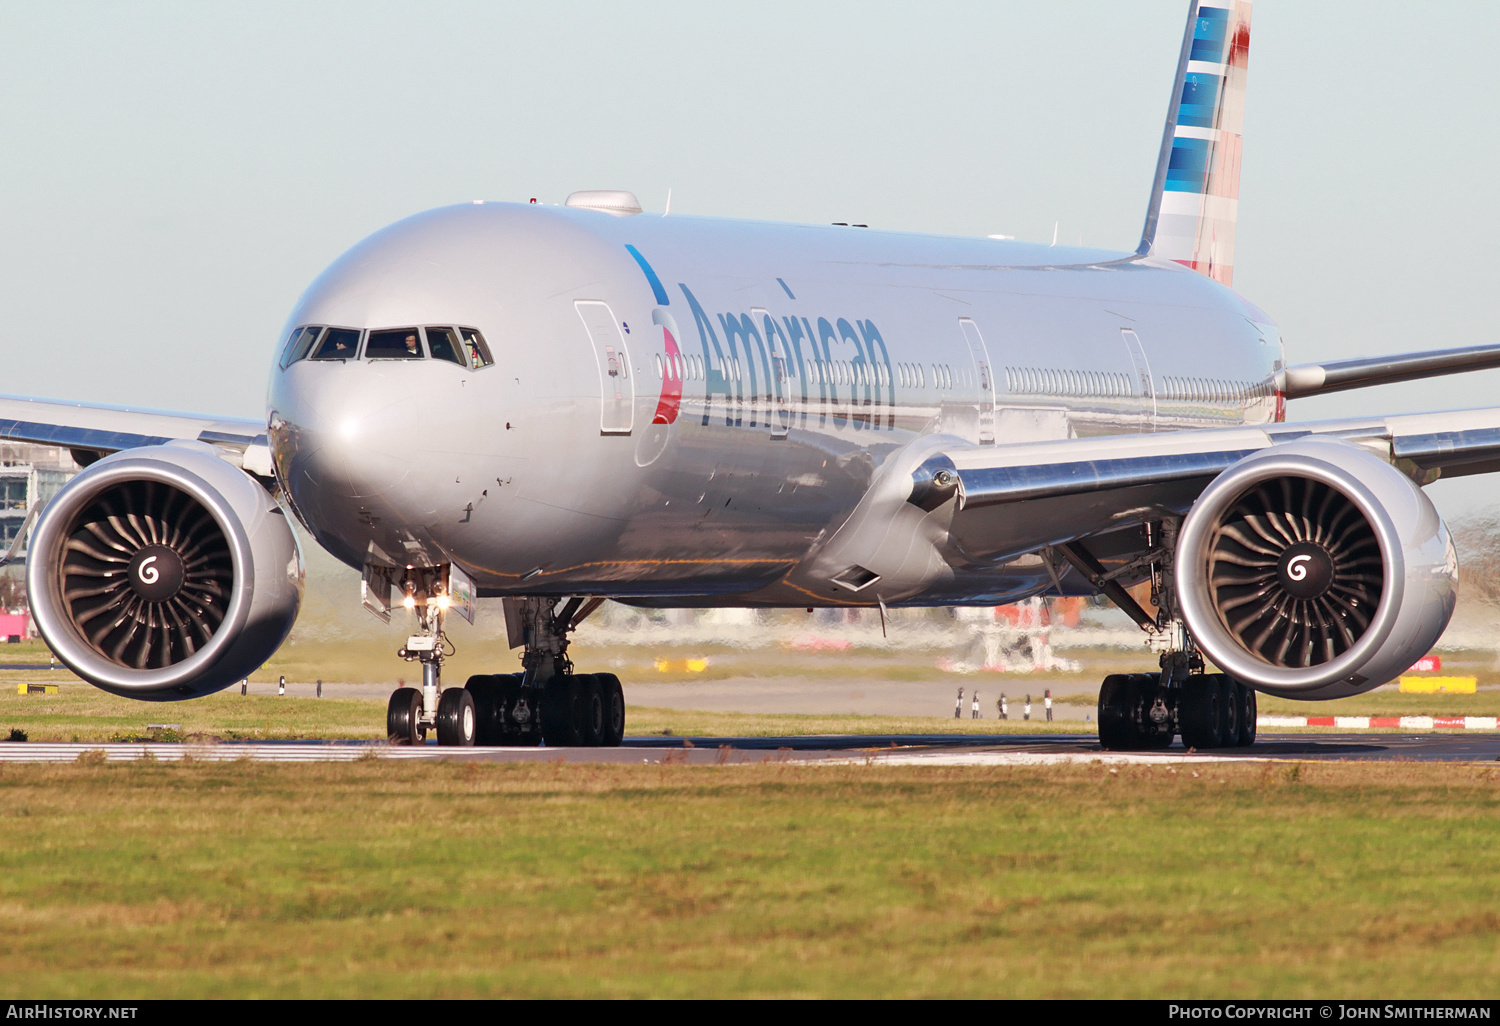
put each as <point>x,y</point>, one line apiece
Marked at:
<point>163,573</point>
<point>1315,569</point>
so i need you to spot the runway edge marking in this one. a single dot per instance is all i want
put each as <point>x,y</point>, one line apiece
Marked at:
<point>1383,722</point>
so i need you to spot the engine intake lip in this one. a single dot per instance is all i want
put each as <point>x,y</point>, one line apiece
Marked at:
<point>46,576</point>
<point>1311,461</point>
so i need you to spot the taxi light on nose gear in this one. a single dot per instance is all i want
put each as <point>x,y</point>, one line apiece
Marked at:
<point>410,601</point>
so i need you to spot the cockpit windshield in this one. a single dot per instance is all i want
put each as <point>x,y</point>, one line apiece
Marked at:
<point>336,344</point>
<point>394,344</point>
<point>463,346</point>
<point>442,343</point>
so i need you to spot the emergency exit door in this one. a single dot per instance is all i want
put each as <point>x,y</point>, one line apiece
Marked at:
<point>616,386</point>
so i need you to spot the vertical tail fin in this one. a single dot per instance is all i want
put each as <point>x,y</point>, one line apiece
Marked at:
<point>1196,192</point>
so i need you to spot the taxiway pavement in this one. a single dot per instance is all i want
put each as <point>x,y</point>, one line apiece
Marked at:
<point>895,749</point>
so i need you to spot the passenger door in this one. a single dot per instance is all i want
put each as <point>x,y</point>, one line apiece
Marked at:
<point>616,386</point>
<point>781,414</point>
<point>985,380</point>
<point>1141,384</point>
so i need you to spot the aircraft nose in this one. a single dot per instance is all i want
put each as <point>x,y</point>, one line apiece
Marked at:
<point>334,439</point>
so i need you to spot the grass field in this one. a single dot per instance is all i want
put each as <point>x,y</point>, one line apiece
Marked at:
<point>402,880</point>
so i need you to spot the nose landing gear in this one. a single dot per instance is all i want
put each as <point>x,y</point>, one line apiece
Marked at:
<point>546,703</point>
<point>410,714</point>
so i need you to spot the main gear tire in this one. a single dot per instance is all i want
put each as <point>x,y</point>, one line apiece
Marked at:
<point>614,708</point>
<point>1248,713</point>
<point>561,716</point>
<point>489,716</point>
<point>1199,714</point>
<point>592,711</point>
<point>1230,710</point>
<point>1119,701</point>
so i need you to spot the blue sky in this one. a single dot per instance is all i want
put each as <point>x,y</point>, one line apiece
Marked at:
<point>174,174</point>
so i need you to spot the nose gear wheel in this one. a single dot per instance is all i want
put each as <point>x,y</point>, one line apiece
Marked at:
<point>146,575</point>
<point>1275,548</point>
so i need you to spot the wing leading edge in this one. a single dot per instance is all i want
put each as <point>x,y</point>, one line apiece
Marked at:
<point>92,430</point>
<point>1020,498</point>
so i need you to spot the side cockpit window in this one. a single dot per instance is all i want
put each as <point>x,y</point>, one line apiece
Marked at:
<point>315,342</point>
<point>336,344</point>
<point>305,341</point>
<point>394,344</point>
<point>443,344</point>
<point>479,353</point>
<point>298,344</point>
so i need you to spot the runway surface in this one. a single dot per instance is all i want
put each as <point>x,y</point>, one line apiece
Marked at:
<point>905,749</point>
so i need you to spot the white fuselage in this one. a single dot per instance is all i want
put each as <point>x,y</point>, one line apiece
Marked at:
<point>696,438</point>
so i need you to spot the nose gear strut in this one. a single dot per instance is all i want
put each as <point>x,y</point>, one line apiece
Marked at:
<point>412,713</point>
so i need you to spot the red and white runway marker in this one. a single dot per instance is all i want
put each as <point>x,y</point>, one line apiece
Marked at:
<point>1383,722</point>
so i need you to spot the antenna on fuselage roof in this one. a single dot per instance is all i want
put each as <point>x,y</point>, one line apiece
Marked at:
<point>1192,213</point>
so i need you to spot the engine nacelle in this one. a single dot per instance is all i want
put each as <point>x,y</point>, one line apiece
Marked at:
<point>1315,570</point>
<point>163,573</point>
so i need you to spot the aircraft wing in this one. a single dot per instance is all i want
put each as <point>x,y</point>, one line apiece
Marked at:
<point>1050,493</point>
<point>1340,375</point>
<point>92,430</point>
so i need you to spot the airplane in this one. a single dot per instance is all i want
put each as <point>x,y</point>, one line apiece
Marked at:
<point>562,405</point>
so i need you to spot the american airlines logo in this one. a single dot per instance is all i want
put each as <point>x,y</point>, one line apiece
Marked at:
<point>765,369</point>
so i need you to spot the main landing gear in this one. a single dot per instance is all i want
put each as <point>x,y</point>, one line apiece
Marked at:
<point>1209,710</point>
<point>1147,710</point>
<point>547,703</point>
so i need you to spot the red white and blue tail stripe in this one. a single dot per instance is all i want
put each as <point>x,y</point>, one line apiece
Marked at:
<point>1193,204</point>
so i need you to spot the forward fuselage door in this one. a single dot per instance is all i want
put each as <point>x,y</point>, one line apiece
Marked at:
<point>984,379</point>
<point>776,347</point>
<point>1141,385</point>
<point>616,385</point>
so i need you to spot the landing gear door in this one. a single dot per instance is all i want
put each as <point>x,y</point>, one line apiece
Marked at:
<point>616,385</point>
<point>984,380</point>
<point>776,346</point>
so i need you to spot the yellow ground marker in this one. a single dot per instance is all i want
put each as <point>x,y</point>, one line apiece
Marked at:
<point>681,665</point>
<point>1432,685</point>
<point>36,689</point>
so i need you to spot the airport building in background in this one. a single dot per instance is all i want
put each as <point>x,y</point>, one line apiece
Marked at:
<point>29,475</point>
